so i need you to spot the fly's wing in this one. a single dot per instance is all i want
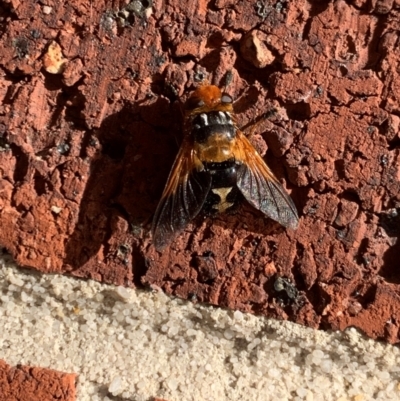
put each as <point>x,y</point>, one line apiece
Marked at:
<point>260,187</point>
<point>183,197</point>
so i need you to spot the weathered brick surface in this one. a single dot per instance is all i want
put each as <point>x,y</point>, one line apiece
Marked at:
<point>85,152</point>
<point>22,383</point>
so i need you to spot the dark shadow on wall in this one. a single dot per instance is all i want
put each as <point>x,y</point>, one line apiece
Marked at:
<point>390,222</point>
<point>129,164</point>
<point>390,270</point>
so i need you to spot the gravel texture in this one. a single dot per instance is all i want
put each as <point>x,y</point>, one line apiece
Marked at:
<point>127,344</point>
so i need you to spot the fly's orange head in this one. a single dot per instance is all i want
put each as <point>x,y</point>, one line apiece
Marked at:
<point>208,98</point>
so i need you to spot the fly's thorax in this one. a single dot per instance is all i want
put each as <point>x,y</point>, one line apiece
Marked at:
<point>205,125</point>
<point>213,134</point>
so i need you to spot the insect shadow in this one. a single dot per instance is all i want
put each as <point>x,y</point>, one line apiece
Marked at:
<point>130,156</point>
<point>389,270</point>
<point>390,222</point>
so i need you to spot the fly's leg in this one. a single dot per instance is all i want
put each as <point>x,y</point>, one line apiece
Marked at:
<point>250,129</point>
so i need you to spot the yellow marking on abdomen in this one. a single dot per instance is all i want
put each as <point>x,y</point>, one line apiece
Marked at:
<point>223,204</point>
<point>217,149</point>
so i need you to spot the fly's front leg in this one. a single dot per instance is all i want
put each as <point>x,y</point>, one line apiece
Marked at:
<point>262,123</point>
<point>254,129</point>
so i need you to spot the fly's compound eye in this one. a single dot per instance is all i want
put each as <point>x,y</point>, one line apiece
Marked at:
<point>225,98</point>
<point>194,103</point>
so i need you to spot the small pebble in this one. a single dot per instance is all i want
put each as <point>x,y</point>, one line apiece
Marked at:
<point>47,10</point>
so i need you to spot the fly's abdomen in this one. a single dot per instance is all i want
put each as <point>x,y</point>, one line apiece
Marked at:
<point>223,195</point>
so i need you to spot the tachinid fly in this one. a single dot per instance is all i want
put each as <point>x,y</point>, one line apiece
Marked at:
<point>216,165</point>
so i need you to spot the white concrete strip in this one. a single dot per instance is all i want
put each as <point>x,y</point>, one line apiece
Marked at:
<point>133,345</point>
